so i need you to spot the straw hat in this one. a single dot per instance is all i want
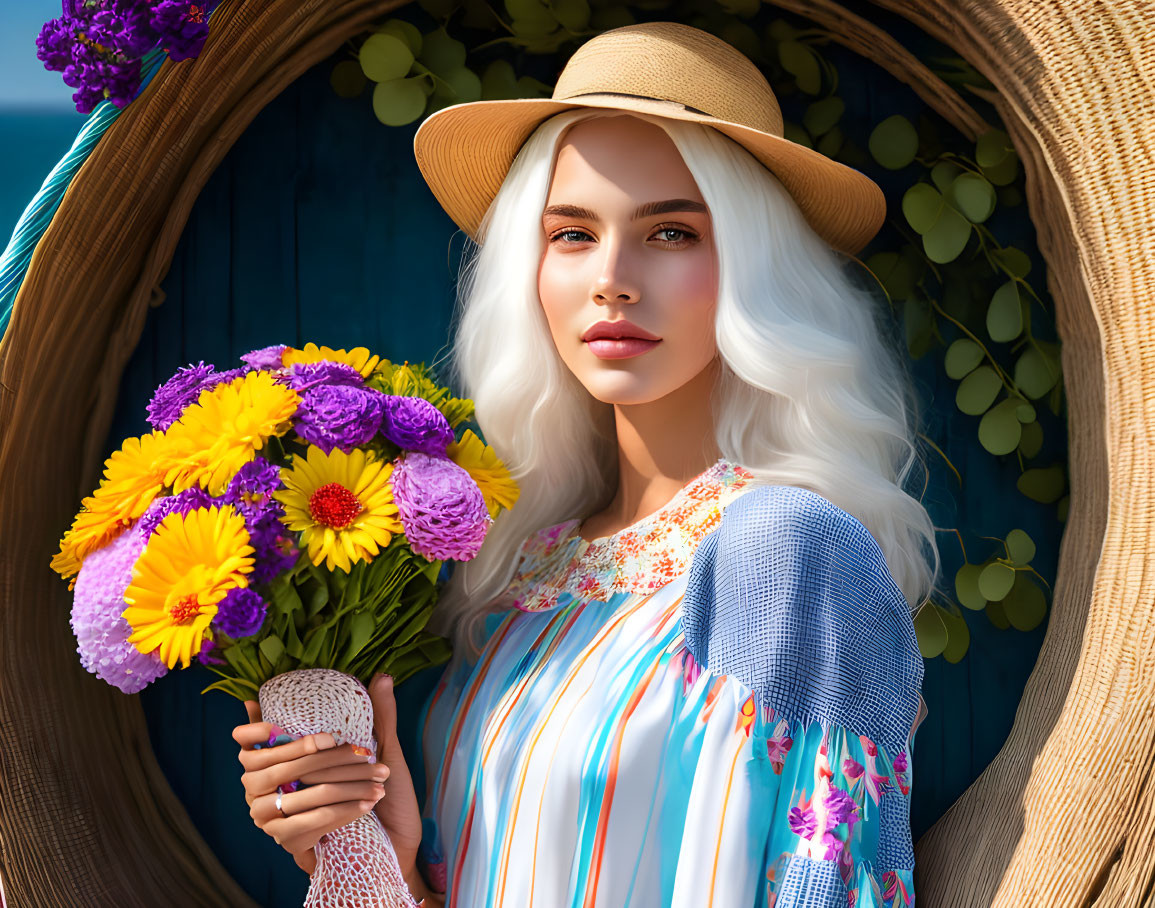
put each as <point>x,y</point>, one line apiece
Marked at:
<point>662,68</point>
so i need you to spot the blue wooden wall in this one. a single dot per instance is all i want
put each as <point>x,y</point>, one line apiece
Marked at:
<point>318,227</point>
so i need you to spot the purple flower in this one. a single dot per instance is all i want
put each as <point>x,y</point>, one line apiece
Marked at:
<point>182,503</point>
<point>274,551</point>
<point>839,805</point>
<point>414,424</point>
<point>441,507</point>
<point>251,489</point>
<point>241,613</point>
<point>268,358</point>
<point>337,416</point>
<point>203,657</point>
<point>171,398</point>
<point>97,617</point>
<point>182,26</point>
<point>303,376</point>
<point>802,821</point>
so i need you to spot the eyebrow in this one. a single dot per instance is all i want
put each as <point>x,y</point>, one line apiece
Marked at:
<point>643,211</point>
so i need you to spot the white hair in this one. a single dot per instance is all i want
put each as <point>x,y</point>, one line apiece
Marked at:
<point>812,390</point>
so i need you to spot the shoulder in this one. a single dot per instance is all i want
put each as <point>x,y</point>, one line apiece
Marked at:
<point>791,594</point>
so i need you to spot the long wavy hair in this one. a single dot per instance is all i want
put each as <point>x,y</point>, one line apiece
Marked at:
<point>812,391</point>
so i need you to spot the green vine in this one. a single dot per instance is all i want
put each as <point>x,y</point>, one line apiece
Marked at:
<point>957,289</point>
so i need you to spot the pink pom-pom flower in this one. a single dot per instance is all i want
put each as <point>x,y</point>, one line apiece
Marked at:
<point>442,509</point>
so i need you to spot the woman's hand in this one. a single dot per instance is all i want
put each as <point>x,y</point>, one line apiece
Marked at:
<point>343,785</point>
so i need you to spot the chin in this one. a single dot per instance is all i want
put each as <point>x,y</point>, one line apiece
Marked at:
<point>625,390</point>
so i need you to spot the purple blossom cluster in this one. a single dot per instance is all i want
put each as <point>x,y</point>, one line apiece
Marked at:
<point>170,399</point>
<point>97,44</point>
<point>442,509</point>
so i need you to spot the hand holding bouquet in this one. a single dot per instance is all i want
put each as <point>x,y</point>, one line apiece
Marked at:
<point>284,524</point>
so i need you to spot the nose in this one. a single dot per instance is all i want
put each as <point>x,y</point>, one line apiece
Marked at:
<point>614,283</point>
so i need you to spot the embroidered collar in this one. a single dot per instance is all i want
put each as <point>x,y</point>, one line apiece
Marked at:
<point>556,565</point>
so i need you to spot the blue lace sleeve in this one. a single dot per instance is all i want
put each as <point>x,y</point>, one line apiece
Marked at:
<point>791,595</point>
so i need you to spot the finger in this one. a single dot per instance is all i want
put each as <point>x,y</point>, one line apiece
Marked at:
<point>253,708</point>
<point>254,760</point>
<point>347,772</point>
<point>385,718</point>
<point>253,733</point>
<point>263,781</point>
<point>294,803</point>
<point>321,821</point>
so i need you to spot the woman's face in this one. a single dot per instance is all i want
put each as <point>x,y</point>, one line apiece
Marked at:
<point>628,242</point>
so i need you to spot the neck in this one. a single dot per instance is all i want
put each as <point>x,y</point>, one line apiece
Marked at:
<point>662,445</point>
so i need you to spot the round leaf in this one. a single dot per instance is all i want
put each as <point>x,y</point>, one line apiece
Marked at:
<point>996,580</point>
<point>385,57</point>
<point>406,31</point>
<point>945,241</point>
<point>1000,429</point>
<point>930,630</point>
<point>1025,606</point>
<point>974,196</point>
<point>962,357</point>
<point>1017,262</point>
<point>799,60</point>
<point>573,14</point>
<point>465,84</point>
<point>1035,373</point>
<point>993,147</point>
<point>1024,412</point>
<point>895,272</point>
<point>499,81</point>
<point>608,17</point>
<point>922,205</point>
<point>529,87</point>
<point>1043,484</point>
<point>958,637</point>
<point>399,101</point>
<point>978,391</point>
<point>943,175</point>
<point>1032,441</point>
<point>347,79</point>
<point>441,53</point>
<point>831,143</point>
<point>894,142</point>
<point>998,615</point>
<point>1020,547</point>
<point>821,116</point>
<point>796,133</point>
<point>919,323</point>
<point>1005,314</point>
<point>966,587</point>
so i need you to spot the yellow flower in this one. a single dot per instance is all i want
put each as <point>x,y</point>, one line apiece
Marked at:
<point>191,562</point>
<point>342,504</point>
<point>225,428</point>
<point>132,478</point>
<point>478,459</point>
<point>359,357</point>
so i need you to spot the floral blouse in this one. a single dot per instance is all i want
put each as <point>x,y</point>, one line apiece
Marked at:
<point>618,743</point>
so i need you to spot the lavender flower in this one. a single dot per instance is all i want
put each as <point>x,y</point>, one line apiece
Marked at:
<point>97,621</point>
<point>268,358</point>
<point>171,398</point>
<point>274,551</point>
<point>241,613</point>
<point>251,489</point>
<point>338,416</point>
<point>181,503</point>
<point>414,424</point>
<point>442,509</point>
<point>182,26</point>
<point>303,376</point>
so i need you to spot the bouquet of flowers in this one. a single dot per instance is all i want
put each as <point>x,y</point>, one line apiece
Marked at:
<point>284,524</point>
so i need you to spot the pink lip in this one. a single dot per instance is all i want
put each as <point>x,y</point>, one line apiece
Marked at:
<point>620,348</point>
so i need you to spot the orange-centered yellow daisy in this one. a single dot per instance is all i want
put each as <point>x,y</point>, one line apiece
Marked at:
<point>132,478</point>
<point>359,357</point>
<point>225,428</point>
<point>191,562</point>
<point>342,504</point>
<point>478,459</point>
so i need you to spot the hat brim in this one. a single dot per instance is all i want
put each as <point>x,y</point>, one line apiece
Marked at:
<point>464,153</point>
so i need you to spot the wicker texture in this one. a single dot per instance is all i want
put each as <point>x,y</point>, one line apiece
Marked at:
<point>1065,814</point>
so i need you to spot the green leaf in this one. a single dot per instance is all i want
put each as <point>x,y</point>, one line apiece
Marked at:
<point>1032,441</point>
<point>499,81</point>
<point>958,637</point>
<point>945,241</point>
<point>919,322</point>
<point>894,143</point>
<point>348,79</point>
<point>922,205</point>
<point>442,53</point>
<point>997,615</point>
<point>799,60</point>
<point>962,357</point>
<point>797,134</point>
<point>272,648</point>
<point>974,196</point>
<point>465,84</point>
<point>1000,429</point>
<point>930,630</point>
<point>573,14</point>
<point>966,587</point>
<point>943,175</point>
<point>995,154</point>
<point>1036,372</point>
<point>895,272</point>
<point>1025,605</point>
<point>385,57</point>
<point>978,390</point>
<point>1015,261</point>
<point>1043,484</point>
<point>831,143</point>
<point>822,116</point>
<point>406,31</point>
<point>1005,315</point>
<point>399,101</point>
<point>1020,546</point>
<point>996,580</point>
<point>608,17</point>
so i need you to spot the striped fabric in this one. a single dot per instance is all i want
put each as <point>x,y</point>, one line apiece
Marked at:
<point>587,759</point>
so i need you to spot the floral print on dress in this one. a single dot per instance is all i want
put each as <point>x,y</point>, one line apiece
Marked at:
<point>556,565</point>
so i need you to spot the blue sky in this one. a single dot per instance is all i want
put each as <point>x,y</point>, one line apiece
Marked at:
<point>24,82</point>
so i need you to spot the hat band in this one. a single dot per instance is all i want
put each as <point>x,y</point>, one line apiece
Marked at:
<point>622,94</point>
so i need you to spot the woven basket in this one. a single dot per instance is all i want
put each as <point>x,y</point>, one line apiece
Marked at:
<point>1066,808</point>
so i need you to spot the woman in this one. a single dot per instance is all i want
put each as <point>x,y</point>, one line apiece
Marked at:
<point>685,671</point>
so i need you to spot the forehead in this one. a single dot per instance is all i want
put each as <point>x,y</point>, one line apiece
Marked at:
<point>622,155</point>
